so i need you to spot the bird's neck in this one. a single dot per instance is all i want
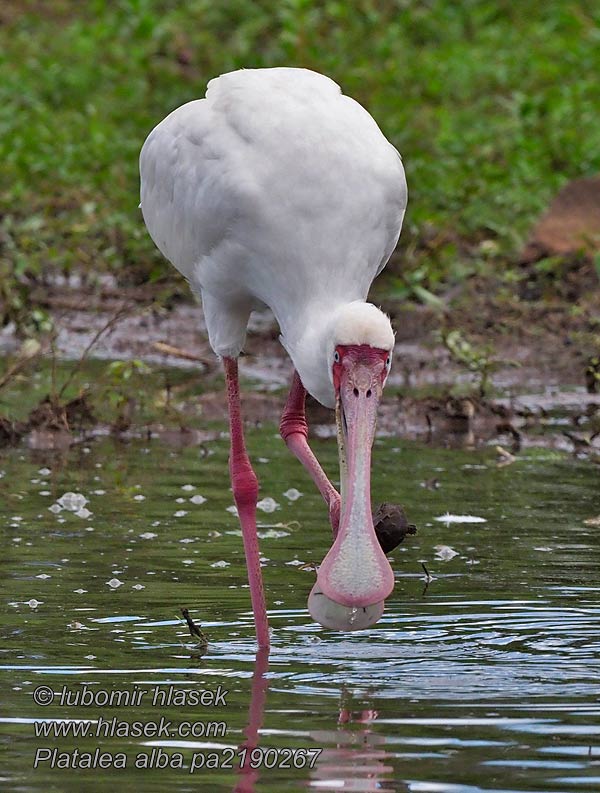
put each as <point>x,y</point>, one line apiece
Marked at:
<point>310,346</point>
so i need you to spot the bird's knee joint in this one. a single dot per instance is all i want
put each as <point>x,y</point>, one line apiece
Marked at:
<point>245,487</point>
<point>293,425</point>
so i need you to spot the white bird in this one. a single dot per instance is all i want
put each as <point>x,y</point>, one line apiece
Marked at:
<point>277,190</point>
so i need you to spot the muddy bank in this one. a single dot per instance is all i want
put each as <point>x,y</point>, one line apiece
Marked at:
<point>536,393</point>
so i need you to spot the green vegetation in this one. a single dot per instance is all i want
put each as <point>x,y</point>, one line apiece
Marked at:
<point>479,360</point>
<point>493,105</point>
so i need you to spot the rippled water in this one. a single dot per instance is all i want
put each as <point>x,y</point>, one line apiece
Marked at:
<point>485,678</point>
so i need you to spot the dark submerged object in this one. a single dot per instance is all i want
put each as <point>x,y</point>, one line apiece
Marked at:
<point>391,526</point>
<point>194,630</point>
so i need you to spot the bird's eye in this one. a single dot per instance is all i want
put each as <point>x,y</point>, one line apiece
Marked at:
<point>388,361</point>
<point>336,357</point>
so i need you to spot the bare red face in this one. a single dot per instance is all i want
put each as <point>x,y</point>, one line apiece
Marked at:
<point>348,357</point>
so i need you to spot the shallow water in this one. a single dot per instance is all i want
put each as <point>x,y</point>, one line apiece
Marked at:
<point>486,678</point>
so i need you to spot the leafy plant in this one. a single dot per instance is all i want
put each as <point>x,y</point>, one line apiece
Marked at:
<point>477,359</point>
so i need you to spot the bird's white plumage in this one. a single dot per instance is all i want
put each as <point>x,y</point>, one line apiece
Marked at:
<point>277,190</point>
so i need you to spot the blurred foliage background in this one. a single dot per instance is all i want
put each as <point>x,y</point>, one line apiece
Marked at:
<point>493,105</point>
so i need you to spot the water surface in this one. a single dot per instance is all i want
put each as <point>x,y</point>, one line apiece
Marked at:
<point>485,678</point>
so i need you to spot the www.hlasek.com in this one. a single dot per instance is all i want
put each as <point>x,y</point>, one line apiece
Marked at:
<point>114,727</point>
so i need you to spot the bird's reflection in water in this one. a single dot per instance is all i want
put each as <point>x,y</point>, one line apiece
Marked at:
<point>359,761</point>
<point>353,756</point>
<point>256,712</point>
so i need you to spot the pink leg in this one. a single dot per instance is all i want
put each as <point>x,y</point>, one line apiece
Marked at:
<point>245,493</point>
<point>294,431</point>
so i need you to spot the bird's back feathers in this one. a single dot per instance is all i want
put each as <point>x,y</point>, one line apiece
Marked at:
<point>275,190</point>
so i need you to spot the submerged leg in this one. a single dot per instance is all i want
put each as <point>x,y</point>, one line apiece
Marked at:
<point>245,493</point>
<point>294,431</point>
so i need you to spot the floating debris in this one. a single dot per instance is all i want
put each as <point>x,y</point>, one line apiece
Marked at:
<point>292,494</point>
<point>43,576</point>
<point>592,521</point>
<point>44,472</point>
<point>114,583</point>
<point>188,487</point>
<point>195,631</point>
<point>33,603</point>
<point>139,497</point>
<point>448,519</point>
<point>233,509</point>
<point>148,535</point>
<point>56,508</point>
<point>72,501</point>
<point>444,552</point>
<point>272,534</point>
<point>197,499</point>
<point>267,504</point>
<point>504,457</point>
<point>431,484</point>
<point>138,586</point>
<point>181,513</point>
<point>83,513</point>
<point>221,563</point>
<point>80,591</point>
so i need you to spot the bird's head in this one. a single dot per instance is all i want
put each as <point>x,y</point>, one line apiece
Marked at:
<point>355,576</point>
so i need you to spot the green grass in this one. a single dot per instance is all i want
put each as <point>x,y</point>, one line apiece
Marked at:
<point>493,105</point>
